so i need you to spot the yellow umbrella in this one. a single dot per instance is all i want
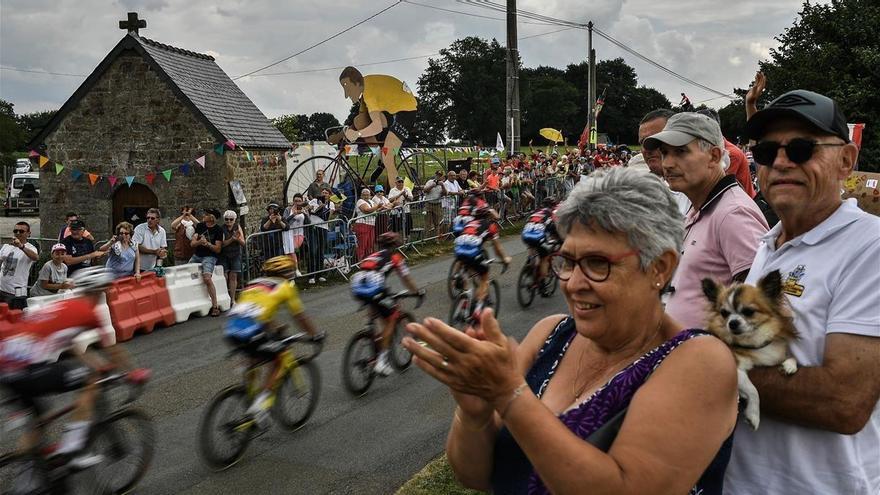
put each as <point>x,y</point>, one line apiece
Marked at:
<point>551,134</point>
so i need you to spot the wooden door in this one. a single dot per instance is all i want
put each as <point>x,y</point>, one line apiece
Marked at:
<point>130,204</point>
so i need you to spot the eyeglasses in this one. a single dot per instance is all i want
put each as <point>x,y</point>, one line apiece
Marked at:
<point>798,150</point>
<point>124,233</point>
<point>595,267</point>
<point>19,231</point>
<point>152,218</point>
<point>229,219</point>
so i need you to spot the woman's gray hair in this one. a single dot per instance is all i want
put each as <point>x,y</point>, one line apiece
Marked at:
<point>633,202</point>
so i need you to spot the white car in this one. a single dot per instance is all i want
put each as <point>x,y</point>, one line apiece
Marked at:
<point>22,166</point>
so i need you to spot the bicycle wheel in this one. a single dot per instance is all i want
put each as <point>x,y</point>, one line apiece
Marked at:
<point>551,282</point>
<point>460,311</point>
<point>495,297</point>
<point>225,428</point>
<point>297,397</point>
<point>126,440</point>
<point>24,474</point>
<point>455,281</point>
<point>525,291</point>
<point>358,362</point>
<point>415,165</point>
<point>337,173</point>
<point>400,356</point>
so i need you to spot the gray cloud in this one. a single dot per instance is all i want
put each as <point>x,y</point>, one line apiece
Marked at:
<point>708,41</point>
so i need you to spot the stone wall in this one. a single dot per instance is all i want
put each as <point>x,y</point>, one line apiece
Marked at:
<point>129,123</point>
<point>262,184</point>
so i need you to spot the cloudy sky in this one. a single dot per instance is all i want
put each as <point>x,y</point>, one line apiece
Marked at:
<point>714,42</point>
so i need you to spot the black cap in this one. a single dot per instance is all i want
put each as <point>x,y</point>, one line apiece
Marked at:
<point>213,211</point>
<point>817,110</point>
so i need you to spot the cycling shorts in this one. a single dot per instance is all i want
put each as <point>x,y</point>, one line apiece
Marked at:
<point>383,306</point>
<point>44,379</point>
<point>475,264</point>
<point>400,123</point>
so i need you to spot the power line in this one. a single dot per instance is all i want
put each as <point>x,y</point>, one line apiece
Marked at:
<point>545,34</point>
<point>468,13</point>
<point>395,4</point>
<point>33,71</point>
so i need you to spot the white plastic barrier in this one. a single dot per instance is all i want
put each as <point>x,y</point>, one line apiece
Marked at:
<point>187,291</point>
<point>87,338</point>
<point>224,302</point>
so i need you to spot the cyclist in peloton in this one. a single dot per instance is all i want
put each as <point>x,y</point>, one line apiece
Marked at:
<point>539,233</point>
<point>251,326</point>
<point>369,285</point>
<point>29,347</point>
<point>469,249</point>
<point>474,199</point>
<point>387,112</point>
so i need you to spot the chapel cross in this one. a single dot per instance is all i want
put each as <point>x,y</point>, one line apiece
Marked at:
<point>133,23</point>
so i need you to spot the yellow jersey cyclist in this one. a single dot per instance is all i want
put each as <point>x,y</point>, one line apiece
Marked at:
<point>387,113</point>
<point>252,329</point>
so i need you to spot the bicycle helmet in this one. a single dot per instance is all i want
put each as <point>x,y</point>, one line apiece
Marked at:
<point>279,265</point>
<point>390,240</point>
<point>93,279</point>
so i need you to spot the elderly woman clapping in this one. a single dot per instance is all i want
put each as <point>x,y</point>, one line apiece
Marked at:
<point>615,397</point>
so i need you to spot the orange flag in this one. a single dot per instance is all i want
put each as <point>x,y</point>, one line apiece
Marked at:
<point>43,161</point>
<point>93,178</point>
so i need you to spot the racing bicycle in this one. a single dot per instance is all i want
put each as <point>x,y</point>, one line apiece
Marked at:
<point>529,281</point>
<point>362,350</point>
<point>461,314</point>
<point>226,428</point>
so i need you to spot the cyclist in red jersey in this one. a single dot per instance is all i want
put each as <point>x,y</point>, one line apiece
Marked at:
<point>29,349</point>
<point>539,233</point>
<point>369,285</point>
<point>469,249</point>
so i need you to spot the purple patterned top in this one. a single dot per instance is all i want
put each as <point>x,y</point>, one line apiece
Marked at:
<point>594,411</point>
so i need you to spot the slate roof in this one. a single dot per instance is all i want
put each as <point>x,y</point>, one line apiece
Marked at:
<point>201,84</point>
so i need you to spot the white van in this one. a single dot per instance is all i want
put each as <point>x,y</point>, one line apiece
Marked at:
<point>22,166</point>
<point>23,193</point>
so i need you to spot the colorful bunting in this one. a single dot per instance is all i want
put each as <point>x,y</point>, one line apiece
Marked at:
<point>75,175</point>
<point>129,179</point>
<point>112,179</point>
<point>384,150</point>
<point>58,168</point>
<point>249,156</point>
<point>93,178</point>
<point>201,161</point>
<point>374,150</point>
<point>151,176</point>
<point>185,169</point>
<point>219,149</point>
<point>43,161</point>
<point>33,154</point>
<point>167,174</point>
<point>230,144</point>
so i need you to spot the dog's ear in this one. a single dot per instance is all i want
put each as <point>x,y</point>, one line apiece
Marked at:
<point>710,289</point>
<point>771,285</point>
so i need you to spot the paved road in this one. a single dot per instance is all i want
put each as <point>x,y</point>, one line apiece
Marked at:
<point>364,446</point>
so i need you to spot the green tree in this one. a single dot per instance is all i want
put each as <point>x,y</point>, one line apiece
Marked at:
<point>12,136</point>
<point>312,127</point>
<point>34,122</point>
<point>288,125</point>
<point>546,100</point>
<point>832,49</point>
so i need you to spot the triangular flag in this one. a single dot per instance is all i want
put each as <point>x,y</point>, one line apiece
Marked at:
<point>151,176</point>
<point>230,144</point>
<point>384,150</point>
<point>499,144</point>
<point>201,161</point>
<point>249,156</point>
<point>112,179</point>
<point>185,168</point>
<point>75,175</point>
<point>219,149</point>
<point>33,154</point>
<point>407,183</point>
<point>43,161</point>
<point>374,150</point>
<point>129,179</point>
<point>93,178</point>
<point>167,174</point>
<point>347,149</point>
<point>58,168</point>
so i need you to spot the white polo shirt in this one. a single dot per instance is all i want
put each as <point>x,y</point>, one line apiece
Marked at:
<point>831,276</point>
<point>150,240</point>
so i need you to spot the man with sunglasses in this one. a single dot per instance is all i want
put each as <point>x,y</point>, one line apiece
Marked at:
<point>151,240</point>
<point>16,259</point>
<point>723,225</point>
<point>820,427</point>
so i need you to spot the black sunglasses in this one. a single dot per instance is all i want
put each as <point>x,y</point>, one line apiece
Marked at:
<point>152,218</point>
<point>18,231</point>
<point>798,150</point>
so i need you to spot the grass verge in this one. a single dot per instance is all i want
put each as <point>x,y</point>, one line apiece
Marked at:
<point>435,479</point>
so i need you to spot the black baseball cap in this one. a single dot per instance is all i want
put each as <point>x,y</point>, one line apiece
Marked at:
<point>817,110</point>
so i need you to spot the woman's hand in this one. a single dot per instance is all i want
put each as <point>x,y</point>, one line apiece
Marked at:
<point>480,362</point>
<point>755,90</point>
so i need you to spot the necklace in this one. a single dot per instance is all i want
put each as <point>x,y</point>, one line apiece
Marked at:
<point>579,392</point>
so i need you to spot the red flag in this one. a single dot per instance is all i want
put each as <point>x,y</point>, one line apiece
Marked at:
<point>151,176</point>
<point>855,133</point>
<point>112,180</point>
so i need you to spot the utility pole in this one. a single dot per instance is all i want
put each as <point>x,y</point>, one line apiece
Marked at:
<point>512,114</point>
<point>591,83</point>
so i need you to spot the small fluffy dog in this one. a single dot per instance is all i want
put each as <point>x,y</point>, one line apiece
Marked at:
<point>754,322</point>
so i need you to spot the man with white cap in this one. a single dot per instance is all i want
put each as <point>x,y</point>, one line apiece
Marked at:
<point>723,225</point>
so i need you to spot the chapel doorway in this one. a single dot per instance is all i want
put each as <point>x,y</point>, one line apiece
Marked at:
<point>130,204</point>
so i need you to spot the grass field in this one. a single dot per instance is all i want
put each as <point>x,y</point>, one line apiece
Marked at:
<point>435,479</point>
